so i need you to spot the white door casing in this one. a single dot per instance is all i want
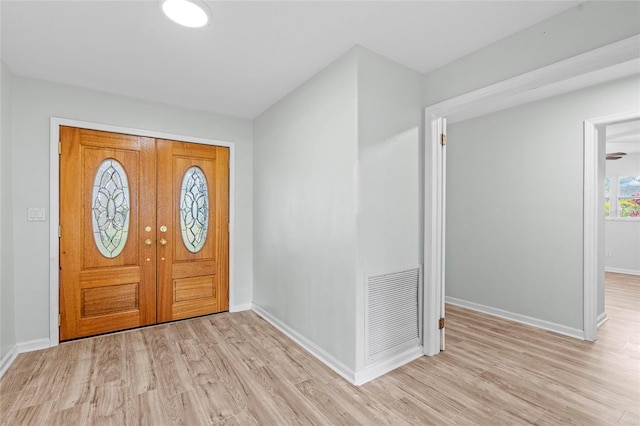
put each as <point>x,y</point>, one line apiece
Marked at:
<point>592,207</point>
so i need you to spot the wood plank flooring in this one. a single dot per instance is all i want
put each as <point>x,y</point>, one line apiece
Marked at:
<point>237,369</point>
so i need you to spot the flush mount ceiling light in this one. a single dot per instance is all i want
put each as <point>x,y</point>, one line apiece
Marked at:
<point>190,13</point>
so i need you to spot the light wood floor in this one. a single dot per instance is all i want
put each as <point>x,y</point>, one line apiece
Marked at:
<point>236,368</point>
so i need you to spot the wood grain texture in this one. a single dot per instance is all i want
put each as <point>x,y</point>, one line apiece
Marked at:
<point>182,274</point>
<point>100,294</point>
<point>93,296</point>
<point>237,369</point>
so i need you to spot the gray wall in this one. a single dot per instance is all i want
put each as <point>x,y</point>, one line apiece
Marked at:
<point>577,30</point>
<point>337,197</point>
<point>623,245</point>
<point>34,102</point>
<point>389,184</point>
<point>7,286</point>
<point>305,151</point>
<point>514,203</point>
<point>389,121</point>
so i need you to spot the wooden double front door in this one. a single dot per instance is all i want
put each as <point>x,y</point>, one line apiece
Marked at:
<point>144,231</point>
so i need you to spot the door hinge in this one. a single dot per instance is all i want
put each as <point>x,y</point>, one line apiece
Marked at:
<point>228,226</point>
<point>443,139</point>
<point>441,324</point>
<point>59,148</point>
<point>59,319</point>
<point>59,231</point>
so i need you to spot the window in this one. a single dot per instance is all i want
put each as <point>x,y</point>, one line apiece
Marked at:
<point>622,197</point>
<point>629,196</point>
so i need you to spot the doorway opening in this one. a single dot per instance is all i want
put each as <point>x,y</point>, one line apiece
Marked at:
<point>595,141</point>
<point>598,66</point>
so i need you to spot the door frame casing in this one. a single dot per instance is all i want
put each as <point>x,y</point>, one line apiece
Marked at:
<point>606,63</point>
<point>592,206</point>
<point>434,238</point>
<point>54,204</point>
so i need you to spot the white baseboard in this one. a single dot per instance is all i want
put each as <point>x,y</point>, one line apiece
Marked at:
<point>239,308</point>
<point>7,360</point>
<point>32,345</point>
<point>309,346</point>
<point>383,367</point>
<point>523,319</point>
<point>354,377</point>
<point>622,271</point>
<point>602,318</point>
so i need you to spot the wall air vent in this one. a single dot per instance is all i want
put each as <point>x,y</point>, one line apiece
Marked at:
<point>392,313</point>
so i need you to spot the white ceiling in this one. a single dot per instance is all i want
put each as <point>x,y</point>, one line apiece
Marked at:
<point>624,137</point>
<point>252,54</point>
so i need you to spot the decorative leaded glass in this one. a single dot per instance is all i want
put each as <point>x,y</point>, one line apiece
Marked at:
<point>194,209</point>
<point>110,208</point>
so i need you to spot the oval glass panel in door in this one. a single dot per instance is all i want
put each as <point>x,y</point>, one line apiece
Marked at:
<point>194,209</point>
<point>110,200</point>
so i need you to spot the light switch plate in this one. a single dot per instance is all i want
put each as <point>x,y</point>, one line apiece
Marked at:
<point>36,214</point>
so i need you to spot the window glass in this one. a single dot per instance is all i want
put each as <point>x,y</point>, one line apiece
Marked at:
<point>194,209</point>
<point>629,196</point>
<point>629,186</point>
<point>110,201</point>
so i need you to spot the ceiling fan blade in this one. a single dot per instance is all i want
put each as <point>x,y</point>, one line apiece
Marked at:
<point>613,157</point>
<point>617,154</point>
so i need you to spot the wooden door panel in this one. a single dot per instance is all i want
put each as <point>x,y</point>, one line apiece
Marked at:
<point>109,299</point>
<point>92,157</point>
<point>187,269</point>
<point>99,294</point>
<point>95,277</point>
<point>194,296</point>
<point>180,166</point>
<point>192,283</point>
<point>154,277</point>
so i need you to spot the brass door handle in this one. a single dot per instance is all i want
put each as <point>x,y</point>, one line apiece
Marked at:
<point>148,242</point>
<point>163,241</point>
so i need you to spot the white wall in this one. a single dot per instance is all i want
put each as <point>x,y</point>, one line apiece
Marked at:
<point>514,203</point>
<point>389,120</point>
<point>622,236</point>
<point>7,308</point>
<point>390,176</point>
<point>337,198</point>
<point>580,29</point>
<point>305,151</point>
<point>34,102</point>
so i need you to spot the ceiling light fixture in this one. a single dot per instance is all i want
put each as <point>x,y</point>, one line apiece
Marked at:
<point>190,13</point>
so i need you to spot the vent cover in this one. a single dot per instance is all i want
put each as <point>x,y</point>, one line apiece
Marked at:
<point>392,312</point>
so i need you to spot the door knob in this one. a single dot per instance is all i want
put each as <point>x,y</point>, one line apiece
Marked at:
<point>163,241</point>
<point>147,242</point>
<point>163,228</point>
